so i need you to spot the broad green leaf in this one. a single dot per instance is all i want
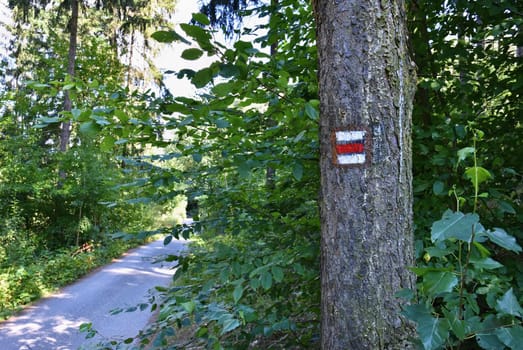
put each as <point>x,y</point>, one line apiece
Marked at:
<point>88,128</point>
<point>201,18</point>
<point>266,280</point>
<point>229,70</point>
<point>297,171</point>
<point>201,36</point>
<point>107,143</point>
<point>168,37</point>
<point>511,336</point>
<point>464,153</point>
<point>457,326</point>
<point>75,112</point>
<point>435,283</point>
<point>311,112</point>
<point>244,170</point>
<point>189,306</point>
<point>49,120</point>
<point>508,304</point>
<point>277,273</point>
<point>503,239</point>
<point>455,225</point>
<point>223,89</point>
<point>192,54</point>
<point>202,77</point>
<point>477,175</point>
<point>197,157</point>
<point>438,188</point>
<point>222,123</point>
<point>489,341</point>
<point>237,293</point>
<point>121,115</point>
<point>229,325</point>
<point>433,332</point>
<point>486,263</point>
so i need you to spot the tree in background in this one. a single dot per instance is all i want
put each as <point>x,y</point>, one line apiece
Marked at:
<point>366,87</point>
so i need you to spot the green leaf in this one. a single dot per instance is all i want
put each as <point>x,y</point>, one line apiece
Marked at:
<point>311,112</point>
<point>297,171</point>
<point>197,157</point>
<point>229,325</point>
<point>107,143</point>
<point>438,188</point>
<point>223,89</point>
<point>201,18</point>
<point>222,123</point>
<point>192,54</point>
<point>277,273</point>
<point>89,128</point>
<point>266,280</point>
<point>464,153</point>
<point>237,293</point>
<point>189,306</point>
<point>457,326</point>
<point>167,240</point>
<point>433,332</point>
<point>477,175</point>
<point>455,225</point>
<point>202,77</point>
<point>435,283</point>
<point>508,304</point>
<point>503,239</point>
<point>486,263</point>
<point>168,37</point>
<point>511,336</point>
<point>485,335</point>
<point>229,70</point>
<point>199,34</point>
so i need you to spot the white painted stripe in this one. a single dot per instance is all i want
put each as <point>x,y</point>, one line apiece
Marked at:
<point>345,159</point>
<point>349,136</point>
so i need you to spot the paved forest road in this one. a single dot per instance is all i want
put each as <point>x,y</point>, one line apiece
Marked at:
<point>52,323</point>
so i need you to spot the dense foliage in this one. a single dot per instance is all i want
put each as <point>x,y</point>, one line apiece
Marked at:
<point>244,154</point>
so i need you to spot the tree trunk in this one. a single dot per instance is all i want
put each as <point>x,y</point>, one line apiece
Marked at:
<point>366,89</point>
<point>65,134</point>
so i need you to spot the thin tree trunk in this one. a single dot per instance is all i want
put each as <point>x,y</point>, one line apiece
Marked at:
<point>270,174</point>
<point>366,89</point>
<point>65,134</point>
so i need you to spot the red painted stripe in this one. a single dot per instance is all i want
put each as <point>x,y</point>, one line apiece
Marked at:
<point>349,148</point>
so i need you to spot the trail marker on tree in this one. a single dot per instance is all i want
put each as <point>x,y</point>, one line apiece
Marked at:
<point>350,147</point>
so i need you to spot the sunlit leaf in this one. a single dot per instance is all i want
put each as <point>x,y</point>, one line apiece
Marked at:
<point>455,225</point>
<point>229,325</point>
<point>477,175</point>
<point>435,283</point>
<point>508,304</point>
<point>503,239</point>
<point>511,336</point>
<point>189,306</point>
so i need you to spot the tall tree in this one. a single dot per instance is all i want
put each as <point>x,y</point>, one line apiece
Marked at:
<point>366,86</point>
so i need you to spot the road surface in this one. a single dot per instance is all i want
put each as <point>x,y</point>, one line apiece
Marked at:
<point>53,322</point>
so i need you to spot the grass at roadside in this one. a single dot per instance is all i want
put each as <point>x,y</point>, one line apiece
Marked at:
<point>25,283</point>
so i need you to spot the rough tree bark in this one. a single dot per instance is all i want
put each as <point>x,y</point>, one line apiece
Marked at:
<point>366,89</point>
<point>65,133</point>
